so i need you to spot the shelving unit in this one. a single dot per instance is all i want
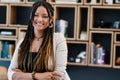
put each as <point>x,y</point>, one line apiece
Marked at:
<point>87,23</point>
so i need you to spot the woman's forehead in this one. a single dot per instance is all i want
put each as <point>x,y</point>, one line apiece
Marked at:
<point>41,9</point>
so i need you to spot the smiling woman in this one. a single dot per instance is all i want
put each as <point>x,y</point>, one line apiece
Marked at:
<point>41,58</point>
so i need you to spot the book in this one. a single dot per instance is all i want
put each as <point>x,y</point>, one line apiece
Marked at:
<point>100,54</point>
<point>0,48</point>
<point>99,51</point>
<point>61,26</point>
<point>5,49</point>
<point>7,33</point>
<point>92,53</point>
<point>11,50</point>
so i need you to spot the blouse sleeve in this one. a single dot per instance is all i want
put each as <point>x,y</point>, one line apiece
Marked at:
<point>61,55</point>
<point>13,63</point>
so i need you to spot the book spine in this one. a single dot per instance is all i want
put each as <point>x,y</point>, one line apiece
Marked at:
<point>93,48</point>
<point>99,52</point>
<point>0,49</point>
<point>11,50</point>
<point>5,49</point>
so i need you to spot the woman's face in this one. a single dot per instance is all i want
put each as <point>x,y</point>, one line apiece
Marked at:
<point>41,20</point>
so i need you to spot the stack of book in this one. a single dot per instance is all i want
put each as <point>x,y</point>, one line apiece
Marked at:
<point>97,54</point>
<point>6,33</point>
<point>6,49</point>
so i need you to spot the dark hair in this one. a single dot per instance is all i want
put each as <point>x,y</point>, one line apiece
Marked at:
<point>46,49</point>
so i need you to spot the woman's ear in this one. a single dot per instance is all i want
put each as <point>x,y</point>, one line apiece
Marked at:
<point>51,20</point>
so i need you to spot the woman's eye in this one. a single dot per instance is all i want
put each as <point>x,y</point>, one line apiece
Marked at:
<point>45,16</point>
<point>35,15</point>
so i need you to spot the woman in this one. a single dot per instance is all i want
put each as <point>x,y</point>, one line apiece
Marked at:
<point>42,54</point>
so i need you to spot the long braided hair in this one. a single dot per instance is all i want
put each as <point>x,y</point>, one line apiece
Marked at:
<point>45,52</point>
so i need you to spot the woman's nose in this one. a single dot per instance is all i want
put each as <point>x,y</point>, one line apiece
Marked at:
<point>40,18</point>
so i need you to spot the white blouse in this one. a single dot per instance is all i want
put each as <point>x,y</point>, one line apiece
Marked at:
<point>60,52</point>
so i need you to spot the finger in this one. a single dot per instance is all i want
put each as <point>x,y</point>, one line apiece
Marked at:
<point>53,78</point>
<point>56,74</point>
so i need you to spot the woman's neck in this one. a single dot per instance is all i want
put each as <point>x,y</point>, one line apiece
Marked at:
<point>38,35</point>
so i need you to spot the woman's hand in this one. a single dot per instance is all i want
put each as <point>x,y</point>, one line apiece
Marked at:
<point>47,76</point>
<point>19,75</point>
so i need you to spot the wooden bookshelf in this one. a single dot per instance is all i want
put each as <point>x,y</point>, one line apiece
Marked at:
<point>81,16</point>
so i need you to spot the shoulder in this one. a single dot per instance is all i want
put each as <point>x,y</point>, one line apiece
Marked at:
<point>19,42</point>
<point>58,35</point>
<point>59,39</point>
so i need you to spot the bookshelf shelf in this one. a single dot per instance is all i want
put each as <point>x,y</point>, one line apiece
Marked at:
<point>68,13</point>
<point>116,59</point>
<point>4,14</point>
<point>19,12</point>
<point>2,59</point>
<point>7,47</point>
<point>100,48</point>
<point>32,1</point>
<point>117,37</point>
<point>83,23</point>
<point>8,32</point>
<point>77,52</point>
<point>93,2</point>
<point>104,17</point>
<point>88,22</point>
<point>71,2</point>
